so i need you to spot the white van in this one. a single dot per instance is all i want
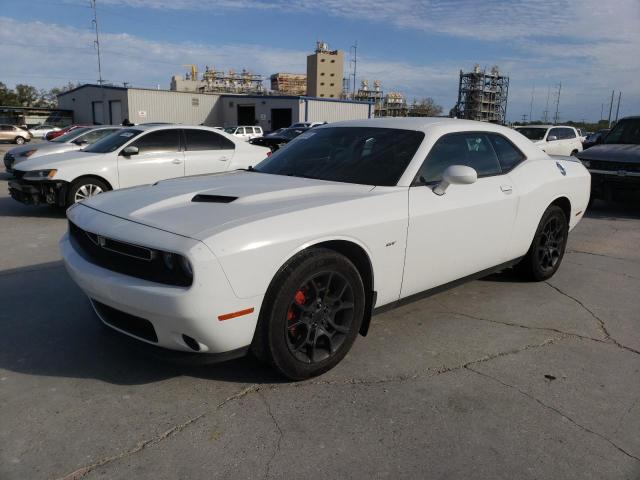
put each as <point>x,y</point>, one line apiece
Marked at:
<point>244,132</point>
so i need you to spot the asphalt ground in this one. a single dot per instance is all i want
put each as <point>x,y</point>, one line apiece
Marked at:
<point>496,379</point>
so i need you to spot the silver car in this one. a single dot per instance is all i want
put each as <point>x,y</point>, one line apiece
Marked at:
<point>76,139</point>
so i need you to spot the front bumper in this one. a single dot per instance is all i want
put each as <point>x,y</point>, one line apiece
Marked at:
<point>162,315</point>
<point>614,185</point>
<point>40,192</point>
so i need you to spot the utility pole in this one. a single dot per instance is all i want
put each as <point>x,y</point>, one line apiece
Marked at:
<point>524,118</point>
<point>601,111</point>
<point>533,91</point>
<point>96,43</point>
<point>618,109</point>
<point>611,107</point>
<point>555,122</point>
<point>546,110</point>
<point>354,61</point>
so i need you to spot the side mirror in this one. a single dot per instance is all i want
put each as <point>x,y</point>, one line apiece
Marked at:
<point>455,175</point>
<point>130,150</point>
<point>551,138</point>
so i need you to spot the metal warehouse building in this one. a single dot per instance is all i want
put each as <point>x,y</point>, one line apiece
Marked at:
<point>93,104</point>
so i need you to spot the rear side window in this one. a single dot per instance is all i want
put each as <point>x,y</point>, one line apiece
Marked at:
<point>566,133</point>
<point>471,149</point>
<point>508,155</point>
<point>198,140</point>
<point>159,141</point>
<point>555,132</point>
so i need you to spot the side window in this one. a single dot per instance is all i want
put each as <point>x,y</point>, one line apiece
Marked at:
<point>198,140</point>
<point>508,154</point>
<point>555,132</point>
<point>159,141</point>
<point>248,129</point>
<point>240,131</point>
<point>6,128</point>
<point>471,149</point>
<point>568,133</point>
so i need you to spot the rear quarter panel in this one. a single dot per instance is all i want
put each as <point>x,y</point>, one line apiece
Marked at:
<point>539,182</point>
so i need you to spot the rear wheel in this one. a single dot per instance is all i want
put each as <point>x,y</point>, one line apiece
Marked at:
<point>574,153</point>
<point>85,187</point>
<point>19,141</point>
<point>311,315</point>
<point>547,248</point>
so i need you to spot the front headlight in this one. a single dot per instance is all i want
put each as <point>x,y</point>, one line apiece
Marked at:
<point>40,174</point>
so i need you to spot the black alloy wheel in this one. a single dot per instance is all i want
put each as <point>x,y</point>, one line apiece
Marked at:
<point>551,243</point>
<point>311,314</point>
<point>548,246</point>
<point>319,317</point>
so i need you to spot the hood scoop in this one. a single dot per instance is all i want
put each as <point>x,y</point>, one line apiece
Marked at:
<point>206,198</point>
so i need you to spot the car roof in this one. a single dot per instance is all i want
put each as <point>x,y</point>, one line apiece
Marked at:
<point>419,123</point>
<point>545,126</point>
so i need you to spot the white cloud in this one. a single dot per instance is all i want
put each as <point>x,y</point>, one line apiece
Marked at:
<point>590,46</point>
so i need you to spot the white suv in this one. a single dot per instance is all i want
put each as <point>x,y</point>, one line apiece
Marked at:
<point>244,132</point>
<point>553,139</point>
<point>131,156</point>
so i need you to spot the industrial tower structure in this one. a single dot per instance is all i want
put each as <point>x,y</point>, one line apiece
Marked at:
<point>482,95</point>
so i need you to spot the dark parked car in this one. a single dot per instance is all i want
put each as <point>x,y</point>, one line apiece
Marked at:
<point>277,140</point>
<point>614,164</point>
<point>595,138</point>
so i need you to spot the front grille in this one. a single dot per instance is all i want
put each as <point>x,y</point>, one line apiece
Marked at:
<point>136,326</point>
<point>614,166</point>
<point>18,174</point>
<point>126,258</point>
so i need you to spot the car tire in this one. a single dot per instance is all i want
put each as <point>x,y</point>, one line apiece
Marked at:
<point>311,314</point>
<point>85,187</point>
<point>19,140</point>
<point>548,246</point>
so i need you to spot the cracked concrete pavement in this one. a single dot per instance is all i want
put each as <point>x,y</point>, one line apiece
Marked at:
<point>495,379</point>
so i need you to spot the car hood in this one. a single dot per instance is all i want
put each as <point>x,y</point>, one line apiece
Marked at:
<point>42,149</point>
<point>612,152</point>
<point>230,199</point>
<point>55,160</point>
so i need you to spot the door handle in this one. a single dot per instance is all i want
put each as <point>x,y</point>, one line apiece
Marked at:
<point>223,159</point>
<point>176,161</point>
<point>506,188</point>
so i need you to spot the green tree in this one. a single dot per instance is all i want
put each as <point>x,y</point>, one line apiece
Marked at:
<point>27,95</point>
<point>7,96</point>
<point>426,107</point>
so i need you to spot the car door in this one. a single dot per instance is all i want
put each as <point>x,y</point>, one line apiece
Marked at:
<point>206,152</point>
<point>159,157</point>
<point>554,147</point>
<point>467,229</point>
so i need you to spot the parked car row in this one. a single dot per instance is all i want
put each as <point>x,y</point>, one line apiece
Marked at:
<point>119,157</point>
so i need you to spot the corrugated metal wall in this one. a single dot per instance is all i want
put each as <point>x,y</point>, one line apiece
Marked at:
<point>328,111</point>
<point>81,102</point>
<point>263,106</point>
<point>175,107</point>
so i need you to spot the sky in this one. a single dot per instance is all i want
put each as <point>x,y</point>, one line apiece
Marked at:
<point>591,47</point>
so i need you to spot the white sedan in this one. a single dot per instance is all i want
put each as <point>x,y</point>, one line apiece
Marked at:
<point>39,131</point>
<point>129,157</point>
<point>290,258</point>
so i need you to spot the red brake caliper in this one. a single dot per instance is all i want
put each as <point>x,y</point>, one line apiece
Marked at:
<point>300,298</point>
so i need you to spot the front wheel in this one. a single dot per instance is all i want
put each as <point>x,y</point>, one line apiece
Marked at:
<point>311,315</point>
<point>84,188</point>
<point>547,248</point>
<point>19,141</point>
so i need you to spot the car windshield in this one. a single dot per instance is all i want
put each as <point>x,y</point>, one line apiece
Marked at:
<point>532,133</point>
<point>113,142</point>
<point>230,130</point>
<point>72,135</point>
<point>363,155</point>
<point>626,132</point>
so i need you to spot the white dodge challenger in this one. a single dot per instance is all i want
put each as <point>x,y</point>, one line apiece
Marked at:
<point>290,258</point>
